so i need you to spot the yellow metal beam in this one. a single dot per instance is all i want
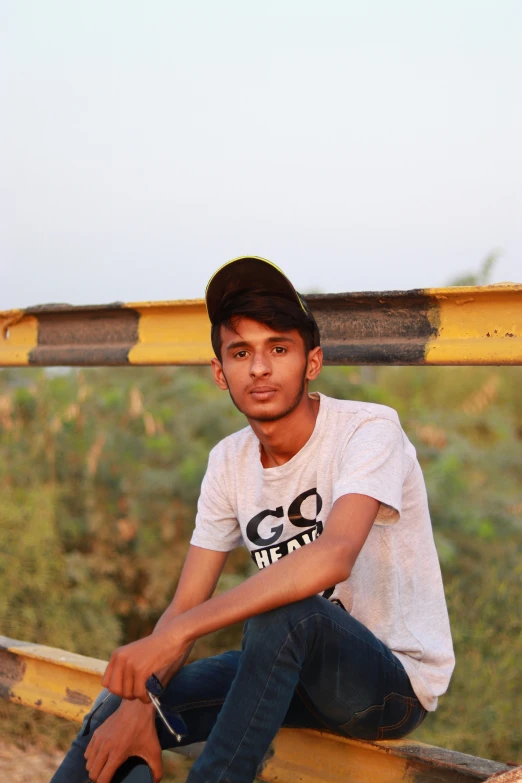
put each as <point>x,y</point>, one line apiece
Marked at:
<point>461,325</point>
<point>18,337</point>
<point>66,684</point>
<point>310,756</point>
<point>172,333</point>
<point>476,326</point>
<point>49,679</point>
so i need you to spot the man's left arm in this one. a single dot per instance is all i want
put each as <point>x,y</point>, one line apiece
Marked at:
<point>305,572</point>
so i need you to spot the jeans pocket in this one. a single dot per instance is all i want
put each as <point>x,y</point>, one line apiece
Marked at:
<point>397,716</point>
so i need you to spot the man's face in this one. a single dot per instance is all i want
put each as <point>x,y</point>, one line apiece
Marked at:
<point>265,371</point>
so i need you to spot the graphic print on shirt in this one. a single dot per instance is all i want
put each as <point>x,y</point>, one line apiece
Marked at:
<point>271,551</point>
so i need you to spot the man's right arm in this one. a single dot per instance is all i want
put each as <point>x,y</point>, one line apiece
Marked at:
<point>130,730</point>
<point>198,580</point>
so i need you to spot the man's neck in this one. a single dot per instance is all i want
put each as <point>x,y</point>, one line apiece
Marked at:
<point>281,440</point>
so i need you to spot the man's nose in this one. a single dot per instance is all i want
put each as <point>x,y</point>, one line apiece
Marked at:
<point>260,366</point>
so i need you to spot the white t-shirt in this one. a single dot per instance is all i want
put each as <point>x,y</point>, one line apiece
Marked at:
<point>395,587</point>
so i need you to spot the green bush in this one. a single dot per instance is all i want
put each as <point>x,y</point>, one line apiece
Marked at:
<point>99,476</point>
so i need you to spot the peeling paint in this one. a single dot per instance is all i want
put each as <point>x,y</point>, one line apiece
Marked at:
<point>266,758</point>
<point>9,664</point>
<point>76,697</point>
<point>12,670</point>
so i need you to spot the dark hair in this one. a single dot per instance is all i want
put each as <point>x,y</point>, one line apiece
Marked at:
<point>273,310</point>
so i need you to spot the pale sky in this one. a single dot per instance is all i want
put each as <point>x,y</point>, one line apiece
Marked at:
<point>358,145</point>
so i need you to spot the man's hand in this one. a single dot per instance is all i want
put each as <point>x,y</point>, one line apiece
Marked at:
<point>130,666</point>
<point>130,731</point>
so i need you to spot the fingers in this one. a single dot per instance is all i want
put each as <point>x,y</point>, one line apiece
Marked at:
<point>119,675</point>
<point>101,761</point>
<point>127,680</point>
<point>108,674</point>
<point>123,678</point>
<point>96,757</point>
<point>105,773</point>
<point>152,755</point>
<point>156,767</point>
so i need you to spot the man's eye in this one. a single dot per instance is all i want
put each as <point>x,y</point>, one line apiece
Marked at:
<point>240,355</point>
<point>280,349</point>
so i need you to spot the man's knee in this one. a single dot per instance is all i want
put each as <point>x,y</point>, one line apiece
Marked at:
<point>104,706</point>
<point>283,619</point>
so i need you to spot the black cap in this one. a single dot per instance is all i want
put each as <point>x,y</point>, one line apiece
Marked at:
<point>248,272</point>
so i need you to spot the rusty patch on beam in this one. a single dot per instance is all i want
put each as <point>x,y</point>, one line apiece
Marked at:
<point>269,755</point>
<point>381,328</point>
<point>449,766</point>
<point>418,773</point>
<point>87,336</point>
<point>78,698</point>
<point>12,670</point>
<point>512,776</point>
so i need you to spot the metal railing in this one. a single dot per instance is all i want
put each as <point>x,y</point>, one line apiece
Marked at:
<point>462,325</point>
<point>446,326</point>
<point>66,684</point>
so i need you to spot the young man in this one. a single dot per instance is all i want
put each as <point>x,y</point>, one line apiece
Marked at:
<point>347,628</point>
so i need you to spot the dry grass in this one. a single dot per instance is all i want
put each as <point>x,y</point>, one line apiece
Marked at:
<point>34,765</point>
<point>34,743</point>
<point>27,765</point>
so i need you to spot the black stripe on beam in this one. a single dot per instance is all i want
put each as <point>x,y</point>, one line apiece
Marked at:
<point>87,336</point>
<point>376,328</point>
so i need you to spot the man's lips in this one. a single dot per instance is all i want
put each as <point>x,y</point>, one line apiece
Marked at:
<point>263,392</point>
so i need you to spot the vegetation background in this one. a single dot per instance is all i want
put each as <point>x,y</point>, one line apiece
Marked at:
<point>100,472</point>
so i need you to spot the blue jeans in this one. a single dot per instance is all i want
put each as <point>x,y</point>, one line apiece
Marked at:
<point>309,664</point>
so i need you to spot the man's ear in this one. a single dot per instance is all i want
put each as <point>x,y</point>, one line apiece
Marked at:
<point>315,363</point>
<point>219,375</point>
